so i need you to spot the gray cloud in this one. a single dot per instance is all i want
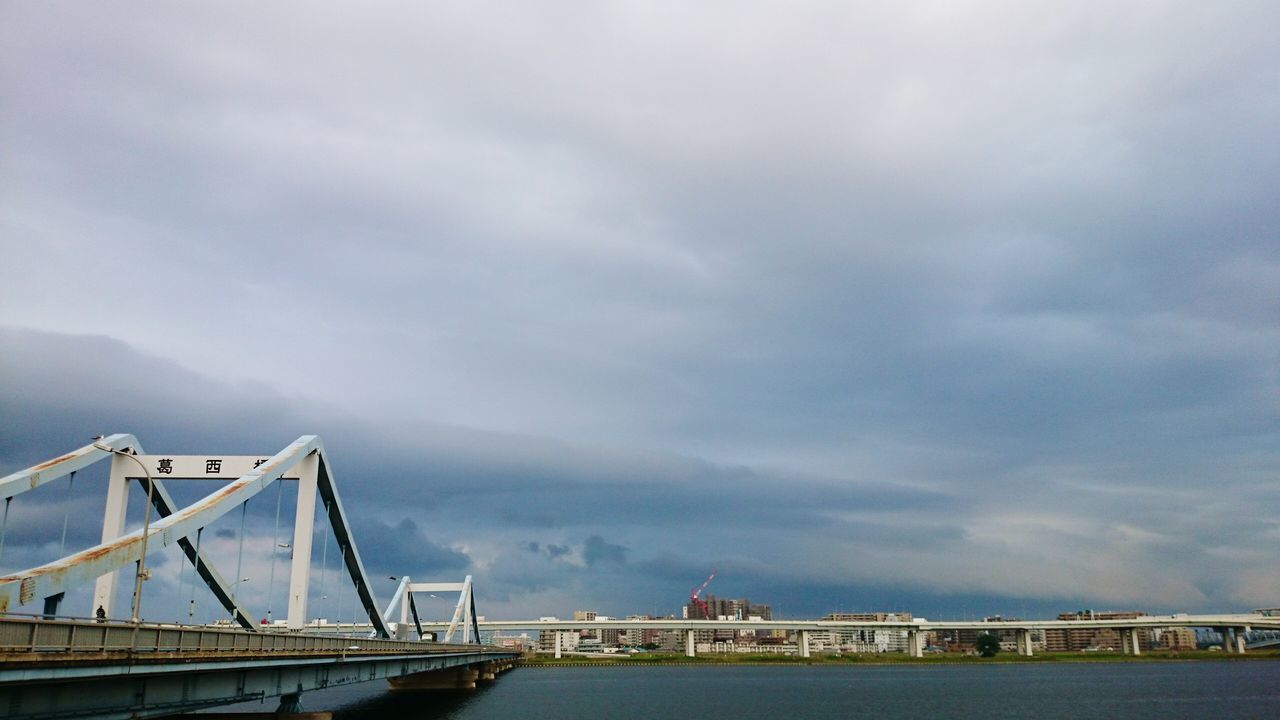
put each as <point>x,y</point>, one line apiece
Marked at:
<point>875,293</point>
<point>596,550</point>
<point>404,548</point>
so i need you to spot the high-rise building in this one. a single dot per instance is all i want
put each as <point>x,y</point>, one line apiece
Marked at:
<point>1177,638</point>
<point>863,640</point>
<point>727,609</point>
<point>1076,639</point>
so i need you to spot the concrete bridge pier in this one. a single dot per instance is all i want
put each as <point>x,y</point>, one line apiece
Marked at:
<point>915,643</point>
<point>1129,641</point>
<point>803,642</point>
<point>290,703</point>
<point>490,671</point>
<point>463,678</point>
<point>690,649</point>
<point>1232,639</point>
<point>1025,647</point>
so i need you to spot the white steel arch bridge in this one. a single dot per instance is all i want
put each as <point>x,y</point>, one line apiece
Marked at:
<point>104,666</point>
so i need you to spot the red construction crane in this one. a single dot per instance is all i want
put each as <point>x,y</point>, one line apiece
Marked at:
<point>698,602</point>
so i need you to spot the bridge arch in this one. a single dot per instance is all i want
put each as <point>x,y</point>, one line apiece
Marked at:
<point>304,459</point>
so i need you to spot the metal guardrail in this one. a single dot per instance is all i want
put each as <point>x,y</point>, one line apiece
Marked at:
<point>70,636</point>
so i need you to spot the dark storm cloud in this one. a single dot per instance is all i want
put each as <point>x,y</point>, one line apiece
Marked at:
<point>928,283</point>
<point>404,548</point>
<point>596,550</point>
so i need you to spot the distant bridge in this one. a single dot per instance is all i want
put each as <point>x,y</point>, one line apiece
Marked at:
<point>108,668</point>
<point>1232,626</point>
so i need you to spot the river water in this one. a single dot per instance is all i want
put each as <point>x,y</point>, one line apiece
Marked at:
<point>1207,689</point>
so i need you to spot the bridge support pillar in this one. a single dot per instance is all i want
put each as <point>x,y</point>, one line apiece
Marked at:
<point>1024,643</point>
<point>290,703</point>
<point>690,648</point>
<point>1232,639</point>
<point>453,679</point>
<point>104,588</point>
<point>804,643</point>
<point>559,644</point>
<point>915,643</point>
<point>1129,641</point>
<point>303,523</point>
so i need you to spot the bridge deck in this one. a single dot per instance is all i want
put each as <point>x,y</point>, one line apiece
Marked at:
<point>38,640</point>
<point>73,669</point>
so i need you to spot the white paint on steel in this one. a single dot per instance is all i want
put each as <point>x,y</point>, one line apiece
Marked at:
<point>33,477</point>
<point>303,525</point>
<point>462,613</point>
<point>117,551</point>
<point>104,589</point>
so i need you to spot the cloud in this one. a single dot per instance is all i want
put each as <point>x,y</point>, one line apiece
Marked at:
<point>968,301</point>
<point>404,549</point>
<point>596,551</point>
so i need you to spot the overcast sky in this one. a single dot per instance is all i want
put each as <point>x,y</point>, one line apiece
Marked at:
<point>951,307</point>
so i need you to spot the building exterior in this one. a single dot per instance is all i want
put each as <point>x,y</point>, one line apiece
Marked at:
<point>727,609</point>
<point>1086,638</point>
<point>862,640</point>
<point>966,640</point>
<point>748,646</point>
<point>513,642</point>
<point>1177,638</point>
<point>568,640</point>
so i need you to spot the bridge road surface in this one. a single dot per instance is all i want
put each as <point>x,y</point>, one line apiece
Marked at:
<point>84,669</point>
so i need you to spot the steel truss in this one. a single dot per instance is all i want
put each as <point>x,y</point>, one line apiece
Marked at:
<point>464,613</point>
<point>304,459</point>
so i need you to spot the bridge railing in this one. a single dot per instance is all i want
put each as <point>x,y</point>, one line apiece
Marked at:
<point>18,635</point>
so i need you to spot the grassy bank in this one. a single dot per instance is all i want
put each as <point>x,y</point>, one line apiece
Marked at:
<point>654,659</point>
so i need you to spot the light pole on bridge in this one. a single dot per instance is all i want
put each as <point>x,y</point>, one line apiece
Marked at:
<point>140,573</point>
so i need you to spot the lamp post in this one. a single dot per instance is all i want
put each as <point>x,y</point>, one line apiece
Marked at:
<point>271,584</point>
<point>141,572</point>
<point>235,586</point>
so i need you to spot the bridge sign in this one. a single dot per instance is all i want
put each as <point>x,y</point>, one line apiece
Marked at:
<point>202,467</point>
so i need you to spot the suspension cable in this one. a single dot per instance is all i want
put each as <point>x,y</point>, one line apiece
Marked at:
<point>182,576</point>
<point>235,587</point>
<point>4,524</point>
<point>275,546</point>
<point>191,609</point>
<point>62,549</point>
<point>324,559</point>
<point>344,560</point>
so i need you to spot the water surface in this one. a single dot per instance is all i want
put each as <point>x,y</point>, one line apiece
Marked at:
<point>1206,689</point>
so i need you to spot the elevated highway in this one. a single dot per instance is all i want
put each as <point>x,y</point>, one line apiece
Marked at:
<point>1232,626</point>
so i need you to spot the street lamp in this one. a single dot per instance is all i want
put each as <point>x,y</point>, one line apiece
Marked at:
<point>141,572</point>
<point>234,587</point>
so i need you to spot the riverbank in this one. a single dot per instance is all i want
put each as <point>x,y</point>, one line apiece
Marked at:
<point>662,659</point>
